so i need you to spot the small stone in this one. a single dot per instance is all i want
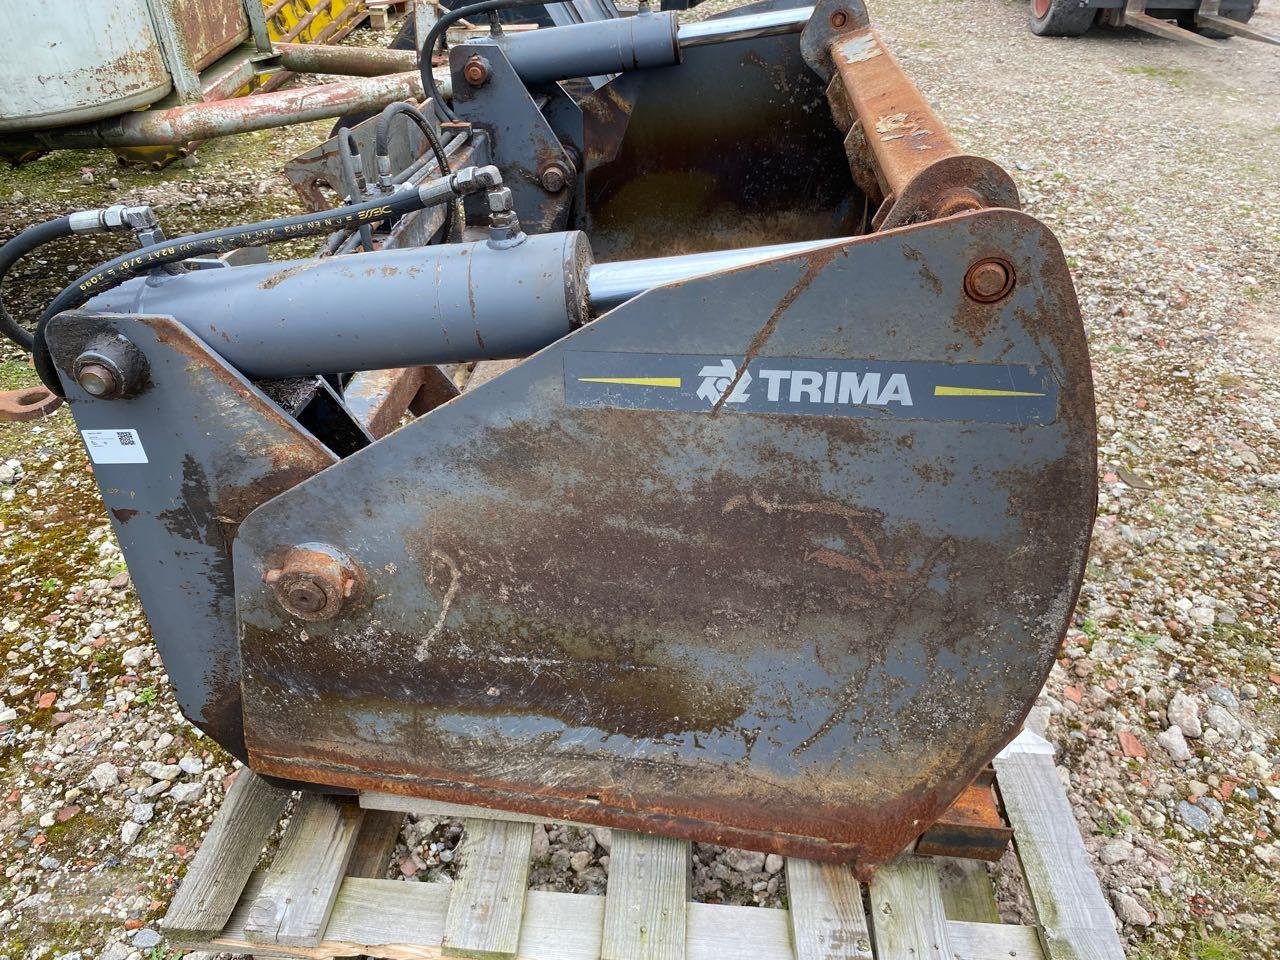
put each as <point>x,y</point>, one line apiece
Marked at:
<point>603,837</point>
<point>541,846</point>
<point>744,861</point>
<point>1223,697</point>
<point>1212,807</point>
<point>1130,911</point>
<point>129,832</point>
<point>187,792</point>
<point>1222,721</point>
<point>1175,744</point>
<point>146,938</point>
<point>105,776</point>
<point>116,951</point>
<point>773,863</point>
<point>160,771</point>
<point>134,657</point>
<point>580,860</point>
<point>142,812</point>
<point>1194,817</point>
<point>1184,712</point>
<point>1115,851</point>
<point>191,766</point>
<point>1131,745</point>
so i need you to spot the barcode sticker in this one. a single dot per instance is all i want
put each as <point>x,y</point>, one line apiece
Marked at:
<point>114,446</point>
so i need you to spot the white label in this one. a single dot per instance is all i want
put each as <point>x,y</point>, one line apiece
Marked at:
<point>114,446</point>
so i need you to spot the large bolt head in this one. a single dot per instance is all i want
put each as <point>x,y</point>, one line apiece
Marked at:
<point>553,177</point>
<point>476,71</point>
<point>110,368</point>
<point>989,280</point>
<point>314,581</point>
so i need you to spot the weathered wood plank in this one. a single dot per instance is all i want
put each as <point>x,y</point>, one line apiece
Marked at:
<point>967,893</point>
<point>226,858</point>
<point>993,941</point>
<point>487,902</point>
<point>375,844</point>
<point>646,902</point>
<point>907,913</point>
<point>1074,916</point>
<point>302,882</point>
<point>827,918</point>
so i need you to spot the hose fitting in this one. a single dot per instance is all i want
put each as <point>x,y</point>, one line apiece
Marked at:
<point>111,219</point>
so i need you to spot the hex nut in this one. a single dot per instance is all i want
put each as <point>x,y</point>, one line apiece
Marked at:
<point>315,581</point>
<point>499,199</point>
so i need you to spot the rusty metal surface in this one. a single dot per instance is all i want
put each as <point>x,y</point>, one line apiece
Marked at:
<point>804,634</point>
<point>748,158</point>
<point>348,61</point>
<point>971,828</point>
<point>203,121</point>
<point>29,403</point>
<point>212,448</point>
<point>920,168</point>
<point>208,28</point>
<point>380,398</point>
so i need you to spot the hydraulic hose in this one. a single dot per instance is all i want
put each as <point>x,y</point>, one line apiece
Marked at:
<point>382,135</point>
<point>438,30</point>
<point>116,271</point>
<point>353,181</point>
<point>11,253</point>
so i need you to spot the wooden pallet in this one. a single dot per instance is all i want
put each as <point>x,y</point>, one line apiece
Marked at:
<point>321,895</point>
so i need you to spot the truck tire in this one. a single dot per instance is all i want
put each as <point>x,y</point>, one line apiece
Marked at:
<point>1060,18</point>
<point>1187,20</point>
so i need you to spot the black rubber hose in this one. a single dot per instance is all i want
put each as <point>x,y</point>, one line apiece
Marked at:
<point>348,158</point>
<point>438,30</point>
<point>381,144</point>
<point>13,251</point>
<point>114,272</point>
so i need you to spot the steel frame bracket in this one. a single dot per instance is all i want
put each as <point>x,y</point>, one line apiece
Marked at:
<point>523,142</point>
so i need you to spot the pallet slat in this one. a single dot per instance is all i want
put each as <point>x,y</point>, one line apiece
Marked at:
<point>906,909</point>
<point>487,901</point>
<point>300,886</point>
<point>375,844</point>
<point>967,892</point>
<point>1073,913</point>
<point>827,918</point>
<point>405,921</point>
<point>647,897</point>
<point>226,858</point>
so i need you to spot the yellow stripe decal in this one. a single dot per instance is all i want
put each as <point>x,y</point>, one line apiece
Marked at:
<point>980,392</point>
<point>635,381</point>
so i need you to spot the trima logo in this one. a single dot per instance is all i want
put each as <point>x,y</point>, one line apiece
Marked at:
<point>803,386</point>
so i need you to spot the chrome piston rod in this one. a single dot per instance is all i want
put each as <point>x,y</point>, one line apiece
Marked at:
<point>611,284</point>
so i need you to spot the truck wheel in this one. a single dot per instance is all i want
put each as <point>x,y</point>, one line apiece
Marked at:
<point>1060,18</point>
<point>1187,20</point>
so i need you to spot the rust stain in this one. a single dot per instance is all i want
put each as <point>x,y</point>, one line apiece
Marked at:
<point>815,263</point>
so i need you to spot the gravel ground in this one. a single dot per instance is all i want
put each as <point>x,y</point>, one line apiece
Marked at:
<point>1155,164</point>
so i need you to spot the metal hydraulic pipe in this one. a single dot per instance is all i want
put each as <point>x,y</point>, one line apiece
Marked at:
<point>375,311</point>
<point>746,27</point>
<point>345,61</point>
<point>205,121</point>
<point>611,284</point>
